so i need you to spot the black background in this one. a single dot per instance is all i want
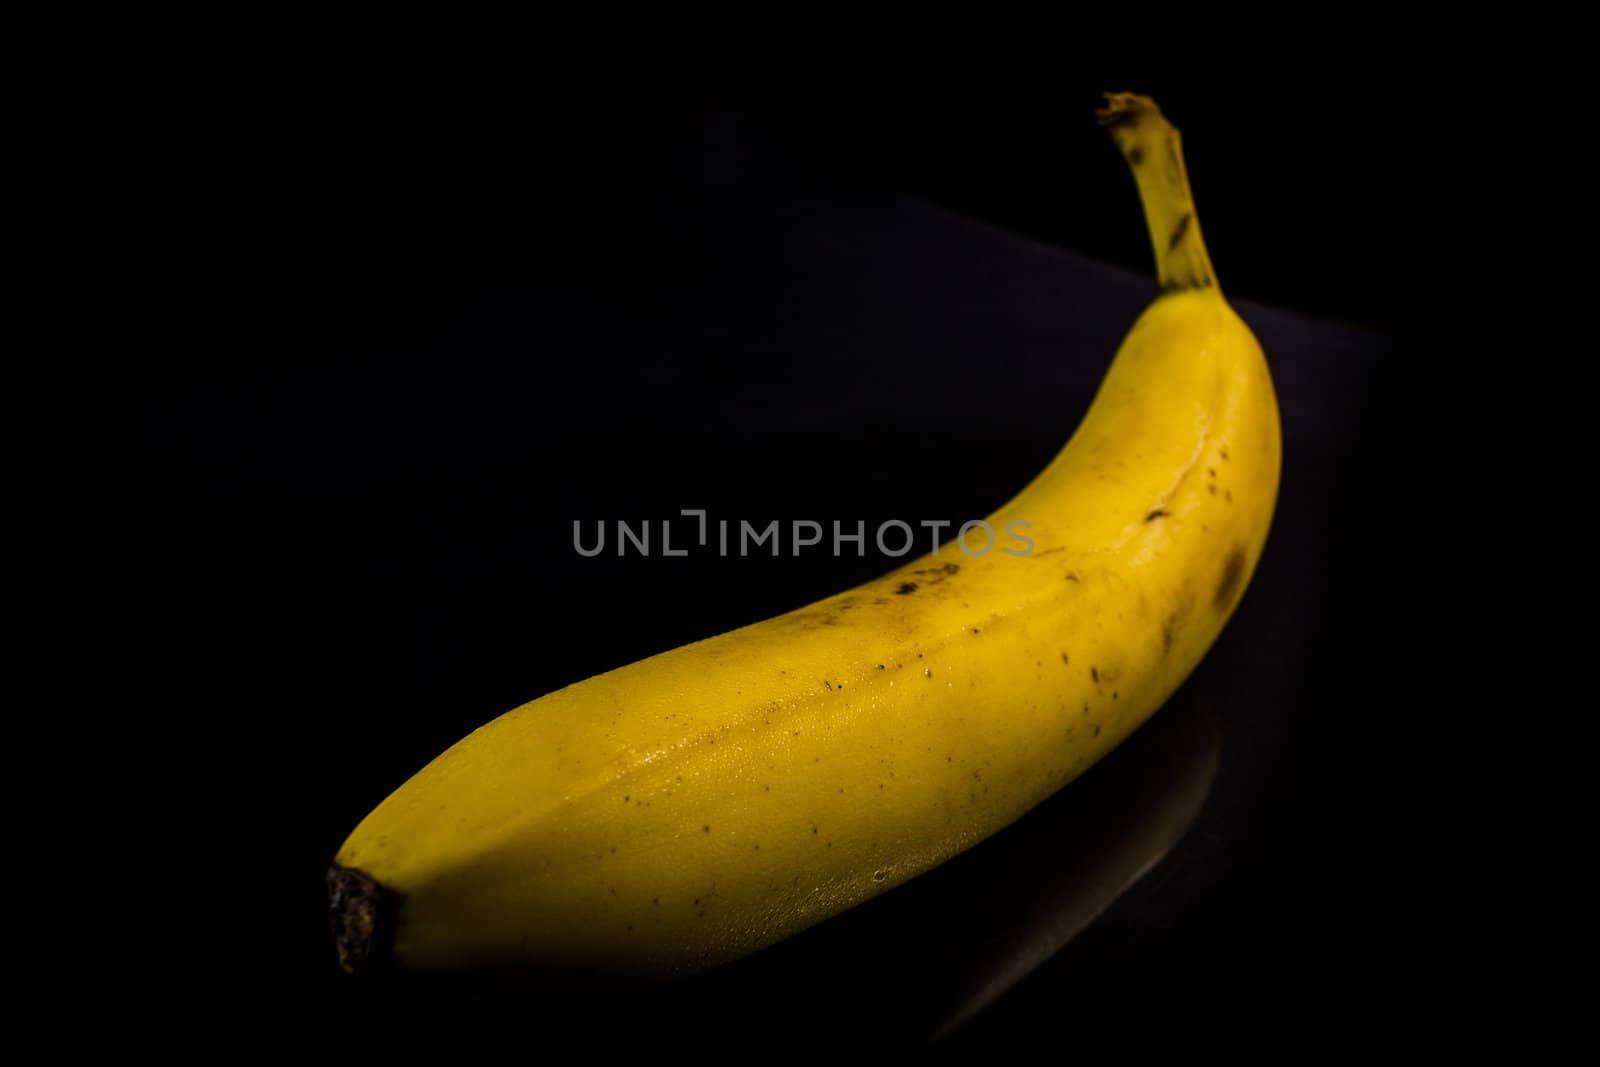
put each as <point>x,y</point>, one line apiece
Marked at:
<point>485,303</point>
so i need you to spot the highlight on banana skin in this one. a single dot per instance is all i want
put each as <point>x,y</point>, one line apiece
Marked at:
<point>702,804</point>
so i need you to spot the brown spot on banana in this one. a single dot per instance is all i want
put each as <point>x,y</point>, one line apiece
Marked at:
<point>1179,231</point>
<point>1232,578</point>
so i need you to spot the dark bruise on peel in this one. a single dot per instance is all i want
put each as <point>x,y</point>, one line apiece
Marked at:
<point>933,575</point>
<point>928,576</point>
<point>1232,575</point>
<point>1158,513</point>
<point>1180,231</point>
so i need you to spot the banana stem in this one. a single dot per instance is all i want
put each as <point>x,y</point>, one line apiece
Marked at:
<point>1154,150</point>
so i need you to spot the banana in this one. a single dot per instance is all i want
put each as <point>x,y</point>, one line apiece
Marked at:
<point>699,805</point>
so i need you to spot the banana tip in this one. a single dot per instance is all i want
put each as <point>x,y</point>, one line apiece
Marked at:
<point>361,913</point>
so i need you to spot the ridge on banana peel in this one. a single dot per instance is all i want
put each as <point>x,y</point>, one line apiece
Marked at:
<point>704,803</point>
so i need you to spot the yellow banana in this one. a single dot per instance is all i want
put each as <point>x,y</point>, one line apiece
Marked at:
<point>701,804</point>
